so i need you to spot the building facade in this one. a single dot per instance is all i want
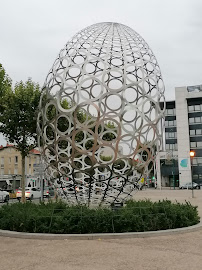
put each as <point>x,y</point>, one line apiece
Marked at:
<point>182,133</point>
<point>11,165</point>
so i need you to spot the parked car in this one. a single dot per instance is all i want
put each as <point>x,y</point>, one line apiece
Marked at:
<point>4,196</point>
<point>48,192</point>
<point>189,186</point>
<point>30,193</point>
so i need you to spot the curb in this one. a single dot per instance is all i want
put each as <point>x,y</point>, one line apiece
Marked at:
<point>99,236</point>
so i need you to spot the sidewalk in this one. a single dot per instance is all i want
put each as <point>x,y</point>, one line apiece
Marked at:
<point>171,252</point>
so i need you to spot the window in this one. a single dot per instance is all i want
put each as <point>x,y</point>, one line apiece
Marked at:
<point>170,123</point>
<point>197,108</point>
<point>197,119</point>
<point>191,120</point>
<point>198,131</point>
<point>172,146</point>
<point>194,120</point>
<point>171,135</point>
<point>16,171</point>
<point>192,132</point>
<point>9,160</point>
<point>16,159</point>
<point>191,108</point>
<point>2,160</point>
<point>170,112</point>
<point>199,144</point>
<point>196,144</point>
<point>193,144</point>
<point>197,161</point>
<point>194,162</point>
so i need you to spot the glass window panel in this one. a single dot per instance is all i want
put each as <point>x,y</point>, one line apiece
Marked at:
<point>170,111</point>
<point>171,134</point>
<point>193,144</point>
<point>195,176</point>
<point>198,131</point>
<point>199,144</point>
<point>194,161</point>
<point>197,108</point>
<point>191,120</point>
<point>197,119</point>
<point>172,146</point>
<point>192,132</point>
<point>199,161</point>
<point>176,146</point>
<point>191,108</point>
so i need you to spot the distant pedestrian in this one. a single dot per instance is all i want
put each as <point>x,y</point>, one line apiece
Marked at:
<point>29,185</point>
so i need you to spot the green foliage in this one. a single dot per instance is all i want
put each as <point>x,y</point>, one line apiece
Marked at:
<point>135,216</point>
<point>105,158</point>
<point>18,118</point>
<point>5,86</point>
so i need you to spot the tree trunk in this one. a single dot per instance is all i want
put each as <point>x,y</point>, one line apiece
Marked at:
<point>23,180</point>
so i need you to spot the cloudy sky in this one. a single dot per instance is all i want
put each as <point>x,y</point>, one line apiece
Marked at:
<point>33,32</point>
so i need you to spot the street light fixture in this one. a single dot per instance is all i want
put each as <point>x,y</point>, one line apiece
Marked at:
<point>192,155</point>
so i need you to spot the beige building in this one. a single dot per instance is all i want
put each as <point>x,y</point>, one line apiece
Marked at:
<point>11,163</point>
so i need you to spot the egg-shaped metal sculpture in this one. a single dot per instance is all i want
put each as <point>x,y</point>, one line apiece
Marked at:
<point>99,114</point>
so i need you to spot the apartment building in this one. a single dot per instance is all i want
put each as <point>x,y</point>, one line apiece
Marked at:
<point>182,133</point>
<point>11,164</point>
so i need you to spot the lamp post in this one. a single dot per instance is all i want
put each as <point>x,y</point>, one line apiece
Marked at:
<point>173,173</point>
<point>192,154</point>
<point>14,183</point>
<point>173,170</point>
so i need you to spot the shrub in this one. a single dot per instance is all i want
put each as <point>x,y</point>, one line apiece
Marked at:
<point>59,217</point>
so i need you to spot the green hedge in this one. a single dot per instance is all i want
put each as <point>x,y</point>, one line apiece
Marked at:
<point>135,216</point>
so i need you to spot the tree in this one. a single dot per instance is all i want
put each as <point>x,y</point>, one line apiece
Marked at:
<point>18,119</point>
<point>5,85</point>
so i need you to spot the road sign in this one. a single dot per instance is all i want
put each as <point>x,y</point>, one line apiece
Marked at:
<point>39,166</point>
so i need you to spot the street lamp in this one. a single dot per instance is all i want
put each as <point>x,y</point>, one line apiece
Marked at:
<point>173,169</point>
<point>192,155</point>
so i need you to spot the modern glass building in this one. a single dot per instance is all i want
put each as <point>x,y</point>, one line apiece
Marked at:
<point>182,133</point>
